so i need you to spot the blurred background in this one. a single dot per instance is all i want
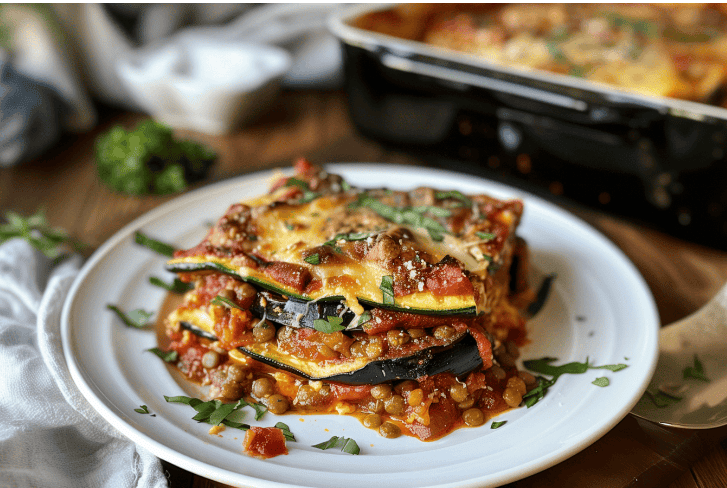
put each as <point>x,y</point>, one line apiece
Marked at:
<point>649,146</point>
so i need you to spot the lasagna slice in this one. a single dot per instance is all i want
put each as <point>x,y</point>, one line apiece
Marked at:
<point>323,297</point>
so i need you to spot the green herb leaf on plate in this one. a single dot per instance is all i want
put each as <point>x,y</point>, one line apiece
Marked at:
<point>346,445</point>
<point>177,286</point>
<point>153,244</point>
<point>136,318</point>
<point>143,409</point>
<point>286,431</point>
<point>497,425</point>
<point>602,381</point>
<point>166,356</point>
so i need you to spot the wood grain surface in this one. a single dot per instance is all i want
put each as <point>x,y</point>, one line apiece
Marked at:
<point>682,275</point>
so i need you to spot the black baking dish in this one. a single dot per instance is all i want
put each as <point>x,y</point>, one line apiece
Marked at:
<point>657,159</point>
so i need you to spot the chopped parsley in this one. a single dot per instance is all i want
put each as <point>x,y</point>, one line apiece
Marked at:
<point>149,159</point>
<point>387,290</point>
<point>136,318</point>
<point>352,236</point>
<point>166,356</point>
<point>333,324</point>
<point>497,425</point>
<point>346,445</point>
<point>153,244</point>
<point>602,381</point>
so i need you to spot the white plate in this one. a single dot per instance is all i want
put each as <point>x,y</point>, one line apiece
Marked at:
<point>600,308</point>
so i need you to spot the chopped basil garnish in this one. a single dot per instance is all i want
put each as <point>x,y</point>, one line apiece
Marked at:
<point>333,324</point>
<point>436,211</point>
<point>345,444</point>
<point>313,259</point>
<point>166,356</point>
<point>289,226</point>
<point>602,381</point>
<point>136,318</point>
<point>485,236</point>
<point>365,317</point>
<point>215,412</point>
<point>497,425</point>
<point>696,371</point>
<point>402,216</point>
<point>142,409</point>
<point>308,195</point>
<point>286,431</point>
<point>544,366</point>
<point>225,302</point>
<point>457,195</point>
<point>156,246</point>
<point>345,186</point>
<point>662,399</point>
<point>387,289</point>
<point>177,286</point>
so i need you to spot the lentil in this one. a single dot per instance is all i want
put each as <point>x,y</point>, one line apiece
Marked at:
<point>389,430</point>
<point>277,404</point>
<point>473,417</point>
<point>210,359</point>
<point>372,421</point>
<point>262,387</point>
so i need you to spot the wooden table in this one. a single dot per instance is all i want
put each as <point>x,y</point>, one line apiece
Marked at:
<point>682,276</point>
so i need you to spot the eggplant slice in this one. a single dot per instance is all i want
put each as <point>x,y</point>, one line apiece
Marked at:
<point>297,313</point>
<point>458,358</point>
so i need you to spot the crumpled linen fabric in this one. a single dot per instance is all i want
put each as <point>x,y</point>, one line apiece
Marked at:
<point>50,436</point>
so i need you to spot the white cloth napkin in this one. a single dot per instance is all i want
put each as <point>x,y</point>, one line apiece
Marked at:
<point>49,434</point>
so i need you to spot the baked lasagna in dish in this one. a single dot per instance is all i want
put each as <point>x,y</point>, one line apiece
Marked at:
<point>670,50</point>
<point>402,308</point>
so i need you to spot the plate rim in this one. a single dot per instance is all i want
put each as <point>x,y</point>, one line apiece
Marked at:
<point>236,478</point>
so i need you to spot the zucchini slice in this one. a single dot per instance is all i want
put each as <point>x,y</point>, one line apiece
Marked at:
<point>418,303</point>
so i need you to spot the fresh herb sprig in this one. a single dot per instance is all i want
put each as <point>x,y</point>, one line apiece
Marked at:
<point>345,444</point>
<point>351,236</point>
<point>177,286</point>
<point>215,412</point>
<point>51,241</point>
<point>545,366</point>
<point>158,247</point>
<point>497,425</point>
<point>137,319</point>
<point>313,259</point>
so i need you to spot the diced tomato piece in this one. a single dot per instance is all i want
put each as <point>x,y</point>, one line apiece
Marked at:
<point>475,381</point>
<point>448,279</point>
<point>351,392</point>
<point>292,275</point>
<point>264,442</point>
<point>303,166</point>
<point>483,344</point>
